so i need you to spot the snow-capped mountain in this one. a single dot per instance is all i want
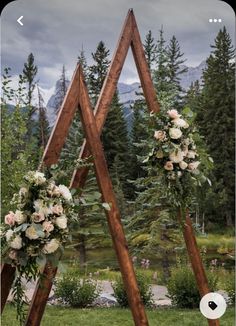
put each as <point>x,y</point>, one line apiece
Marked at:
<point>128,93</point>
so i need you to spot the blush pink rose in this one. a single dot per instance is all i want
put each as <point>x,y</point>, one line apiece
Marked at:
<point>173,114</point>
<point>57,209</point>
<point>10,218</point>
<point>47,226</point>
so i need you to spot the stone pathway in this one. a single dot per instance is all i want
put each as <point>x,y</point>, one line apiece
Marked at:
<point>159,293</point>
<point>106,297</point>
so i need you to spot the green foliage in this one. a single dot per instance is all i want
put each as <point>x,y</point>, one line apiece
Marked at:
<point>182,287</point>
<point>76,292</point>
<point>230,288</point>
<point>144,288</point>
<point>215,118</point>
<point>16,153</point>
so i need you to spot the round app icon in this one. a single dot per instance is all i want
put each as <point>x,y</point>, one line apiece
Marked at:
<point>212,305</point>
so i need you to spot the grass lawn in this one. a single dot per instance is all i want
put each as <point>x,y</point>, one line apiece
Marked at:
<point>117,317</point>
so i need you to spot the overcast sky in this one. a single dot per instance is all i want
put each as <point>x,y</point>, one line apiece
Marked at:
<point>56,30</point>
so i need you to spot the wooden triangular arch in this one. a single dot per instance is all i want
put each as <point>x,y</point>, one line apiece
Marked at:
<point>77,97</point>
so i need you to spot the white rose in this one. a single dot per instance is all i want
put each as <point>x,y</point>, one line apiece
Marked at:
<point>31,233</point>
<point>9,234</point>
<point>159,134</point>
<point>51,246</point>
<point>173,114</point>
<point>193,166</point>
<point>65,192</point>
<point>183,165</point>
<point>169,166</point>
<point>175,133</point>
<point>191,154</point>
<point>61,222</point>
<point>20,217</point>
<point>176,157</point>
<point>40,207</point>
<point>16,243</point>
<point>180,123</point>
<point>23,192</point>
<point>39,178</point>
<point>38,204</point>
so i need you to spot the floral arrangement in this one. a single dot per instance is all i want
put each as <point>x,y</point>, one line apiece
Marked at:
<point>37,229</point>
<point>174,153</point>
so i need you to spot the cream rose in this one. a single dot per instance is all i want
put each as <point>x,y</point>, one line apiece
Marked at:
<point>48,226</point>
<point>173,114</point>
<point>31,233</point>
<point>193,166</point>
<point>20,217</point>
<point>39,178</point>
<point>191,154</point>
<point>175,133</point>
<point>38,217</point>
<point>169,166</point>
<point>180,123</point>
<point>65,192</point>
<point>159,135</point>
<point>51,246</point>
<point>183,165</point>
<point>9,234</point>
<point>61,222</point>
<point>16,243</point>
<point>10,218</point>
<point>12,254</point>
<point>176,156</point>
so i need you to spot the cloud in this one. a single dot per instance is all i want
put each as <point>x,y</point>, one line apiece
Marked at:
<point>56,30</point>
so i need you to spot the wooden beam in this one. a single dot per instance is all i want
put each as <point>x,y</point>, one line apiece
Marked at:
<point>7,278</point>
<point>196,261</point>
<point>63,122</point>
<point>143,69</point>
<point>113,214</point>
<point>40,297</point>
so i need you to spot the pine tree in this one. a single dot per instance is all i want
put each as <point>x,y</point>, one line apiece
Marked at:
<point>98,71</point>
<point>62,86</point>
<point>216,122</point>
<point>175,70</point>
<point>116,143</point>
<point>29,72</point>
<point>43,124</point>
<point>83,62</point>
<point>160,73</point>
<point>150,49</point>
<point>192,98</point>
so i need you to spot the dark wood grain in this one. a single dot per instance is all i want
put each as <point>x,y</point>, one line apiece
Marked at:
<point>113,214</point>
<point>40,296</point>
<point>196,261</point>
<point>7,278</point>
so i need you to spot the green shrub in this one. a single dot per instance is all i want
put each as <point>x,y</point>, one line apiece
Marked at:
<point>144,288</point>
<point>76,292</point>
<point>230,288</point>
<point>182,287</point>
